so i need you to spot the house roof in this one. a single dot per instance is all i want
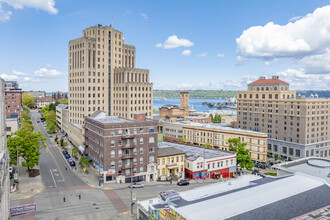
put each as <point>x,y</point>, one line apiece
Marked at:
<point>169,151</point>
<point>268,82</point>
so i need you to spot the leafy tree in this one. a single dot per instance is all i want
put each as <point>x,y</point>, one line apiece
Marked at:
<point>25,114</point>
<point>65,102</point>
<point>85,162</point>
<point>28,144</point>
<point>51,125</point>
<point>216,118</point>
<point>276,156</point>
<point>75,151</point>
<point>155,111</point>
<point>243,155</point>
<point>52,107</point>
<point>28,100</point>
<point>27,125</point>
<point>181,141</point>
<point>211,116</point>
<point>61,142</point>
<point>208,145</point>
<point>57,103</point>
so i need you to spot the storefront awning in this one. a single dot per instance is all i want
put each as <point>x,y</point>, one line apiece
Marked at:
<point>81,148</point>
<point>172,166</point>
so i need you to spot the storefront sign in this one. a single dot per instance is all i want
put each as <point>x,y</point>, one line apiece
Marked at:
<point>23,209</point>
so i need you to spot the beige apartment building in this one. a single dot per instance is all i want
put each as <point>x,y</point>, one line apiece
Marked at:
<point>102,76</point>
<point>297,126</point>
<point>217,136</point>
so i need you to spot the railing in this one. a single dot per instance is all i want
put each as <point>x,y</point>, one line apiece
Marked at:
<point>127,157</point>
<point>127,136</point>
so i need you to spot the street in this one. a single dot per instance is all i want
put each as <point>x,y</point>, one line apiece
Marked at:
<point>66,196</point>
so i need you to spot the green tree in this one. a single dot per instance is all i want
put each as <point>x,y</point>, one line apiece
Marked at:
<point>85,162</point>
<point>28,100</point>
<point>65,102</point>
<point>28,144</point>
<point>155,111</point>
<point>75,151</point>
<point>208,145</point>
<point>27,125</point>
<point>211,116</point>
<point>57,102</point>
<point>243,155</point>
<point>181,141</point>
<point>51,125</point>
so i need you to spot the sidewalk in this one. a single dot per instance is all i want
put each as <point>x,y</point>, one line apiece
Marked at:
<point>28,186</point>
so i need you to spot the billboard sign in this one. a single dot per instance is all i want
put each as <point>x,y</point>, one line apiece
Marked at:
<point>23,209</point>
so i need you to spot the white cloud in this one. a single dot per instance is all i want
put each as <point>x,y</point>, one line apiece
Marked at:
<point>47,73</point>
<point>299,80</point>
<point>220,54</point>
<point>45,5</point>
<point>29,79</point>
<point>186,52</point>
<point>17,73</point>
<point>159,45</point>
<point>202,54</point>
<point>144,15</point>
<point>174,42</point>
<point>295,18</point>
<point>306,40</point>
<point>8,77</point>
<point>4,15</point>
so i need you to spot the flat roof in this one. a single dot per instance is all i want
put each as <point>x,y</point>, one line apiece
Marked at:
<point>192,153</point>
<point>317,167</point>
<point>168,151</point>
<point>250,197</point>
<point>62,106</point>
<point>219,127</point>
<point>101,117</point>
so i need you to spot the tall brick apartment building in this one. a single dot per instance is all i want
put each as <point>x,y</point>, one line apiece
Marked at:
<point>13,99</point>
<point>120,146</point>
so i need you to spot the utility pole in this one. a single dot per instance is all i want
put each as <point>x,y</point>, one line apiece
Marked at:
<point>100,170</point>
<point>17,187</point>
<point>131,188</point>
<point>204,164</point>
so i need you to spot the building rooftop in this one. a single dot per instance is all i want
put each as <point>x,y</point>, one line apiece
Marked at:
<point>169,151</point>
<point>249,197</point>
<point>314,166</point>
<point>219,127</point>
<point>44,99</point>
<point>62,106</point>
<point>169,106</point>
<point>192,153</point>
<point>101,117</point>
<point>264,81</point>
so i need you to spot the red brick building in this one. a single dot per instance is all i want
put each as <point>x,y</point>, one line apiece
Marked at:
<point>13,99</point>
<point>120,145</point>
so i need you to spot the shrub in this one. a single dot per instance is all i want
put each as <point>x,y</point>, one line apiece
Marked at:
<point>271,174</point>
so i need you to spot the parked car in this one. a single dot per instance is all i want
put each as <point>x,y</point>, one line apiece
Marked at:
<point>67,156</point>
<point>255,172</point>
<point>183,183</point>
<point>329,175</point>
<point>136,185</point>
<point>71,162</point>
<point>65,152</point>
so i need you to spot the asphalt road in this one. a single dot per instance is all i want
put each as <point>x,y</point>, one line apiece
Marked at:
<point>55,170</point>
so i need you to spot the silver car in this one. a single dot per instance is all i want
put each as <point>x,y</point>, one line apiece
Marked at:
<point>136,185</point>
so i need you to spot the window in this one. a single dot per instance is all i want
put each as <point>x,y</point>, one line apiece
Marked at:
<point>141,140</point>
<point>151,159</point>
<point>181,158</point>
<point>119,142</point>
<point>120,152</point>
<point>141,159</point>
<point>112,164</point>
<point>163,171</point>
<point>112,133</point>
<point>151,149</point>
<point>141,150</point>
<point>120,132</point>
<point>134,141</point>
<point>151,130</point>
<point>112,143</point>
<point>163,161</point>
<point>141,130</point>
<point>151,139</point>
<point>134,131</point>
<point>120,163</point>
<point>134,151</point>
<point>113,153</point>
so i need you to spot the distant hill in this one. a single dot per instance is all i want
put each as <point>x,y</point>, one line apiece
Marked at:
<point>216,94</point>
<point>195,94</point>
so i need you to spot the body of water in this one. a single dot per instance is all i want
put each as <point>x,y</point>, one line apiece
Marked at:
<point>197,103</point>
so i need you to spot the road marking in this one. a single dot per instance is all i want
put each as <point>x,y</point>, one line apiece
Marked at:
<point>57,165</point>
<point>124,213</point>
<point>128,197</point>
<point>26,197</point>
<point>106,188</point>
<point>51,186</point>
<point>53,177</point>
<point>38,191</point>
<point>60,180</point>
<point>93,186</point>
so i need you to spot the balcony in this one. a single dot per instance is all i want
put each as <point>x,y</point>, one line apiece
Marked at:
<point>129,146</point>
<point>127,136</point>
<point>124,167</point>
<point>124,157</point>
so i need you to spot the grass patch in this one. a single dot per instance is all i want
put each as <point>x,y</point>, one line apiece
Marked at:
<point>271,174</point>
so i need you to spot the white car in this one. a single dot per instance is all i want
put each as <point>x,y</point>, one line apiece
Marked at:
<point>136,185</point>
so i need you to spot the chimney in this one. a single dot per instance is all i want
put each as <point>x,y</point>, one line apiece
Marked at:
<point>275,77</point>
<point>262,77</point>
<point>139,116</point>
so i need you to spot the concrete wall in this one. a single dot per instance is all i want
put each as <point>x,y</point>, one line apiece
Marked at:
<point>75,134</point>
<point>12,125</point>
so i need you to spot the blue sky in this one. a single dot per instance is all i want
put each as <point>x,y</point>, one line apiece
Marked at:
<point>227,43</point>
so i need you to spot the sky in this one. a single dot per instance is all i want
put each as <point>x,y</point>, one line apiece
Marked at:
<point>185,44</point>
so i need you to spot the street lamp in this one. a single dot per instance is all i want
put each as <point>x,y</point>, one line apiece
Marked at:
<point>17,161</point>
